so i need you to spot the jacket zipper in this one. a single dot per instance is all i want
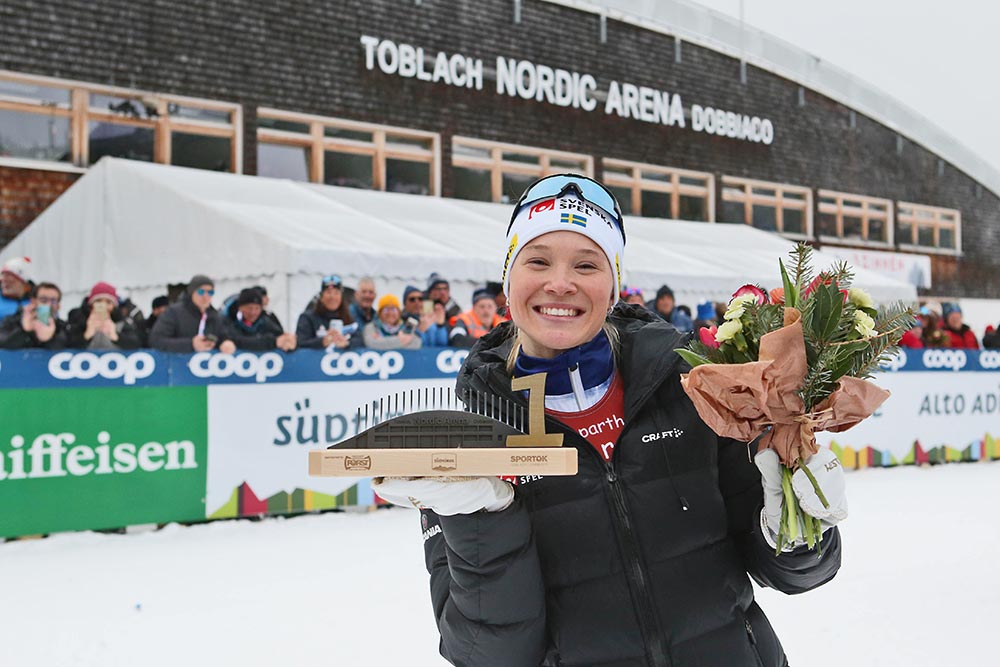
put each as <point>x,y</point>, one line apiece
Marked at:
<point>753,642</point>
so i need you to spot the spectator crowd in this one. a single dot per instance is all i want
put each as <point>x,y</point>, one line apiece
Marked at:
<point>30,317</point>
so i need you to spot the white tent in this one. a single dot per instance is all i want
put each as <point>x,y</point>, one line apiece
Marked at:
<point>140,226</point>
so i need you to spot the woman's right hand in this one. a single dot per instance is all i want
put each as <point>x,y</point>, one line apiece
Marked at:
<point>446,496</point>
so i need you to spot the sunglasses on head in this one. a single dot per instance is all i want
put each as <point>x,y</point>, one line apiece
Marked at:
<point>332,281</point>
<point>585,188</point>
<point>202,291</point>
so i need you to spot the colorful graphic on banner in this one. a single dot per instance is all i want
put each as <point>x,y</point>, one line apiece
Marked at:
<point>930,417</point>
<point>73,459</point>
<point>261,436</point>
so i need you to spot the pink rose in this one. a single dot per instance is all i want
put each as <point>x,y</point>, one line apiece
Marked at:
<point>707,336</point>
<point>757,292</point>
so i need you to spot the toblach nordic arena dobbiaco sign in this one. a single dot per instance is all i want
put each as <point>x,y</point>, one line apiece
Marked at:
<point>560,87</point>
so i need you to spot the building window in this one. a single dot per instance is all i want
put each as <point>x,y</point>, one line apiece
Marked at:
<point>921,227</point>
<point>854,219</point>
<point>491,171</point>
<point>74,123</point>
<point>661,192</point>
<point>347,153</point>
<point>774,207</point>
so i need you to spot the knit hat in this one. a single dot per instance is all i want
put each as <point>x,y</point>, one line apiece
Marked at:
<point>249,295</point>
<point>480,294</point>
<point>706,310</point>
<point>162,300</point>
<point>664,291</point>
<point>434,280</point>
<point>102,290</point>
<point>948,307</point>
<point>387,300</point>
<point>17,267</point>
<point>197,281</point>
<point>566,213</point>
<point>410,289</point>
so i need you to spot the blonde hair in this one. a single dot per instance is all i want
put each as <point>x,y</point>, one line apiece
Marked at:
<point>609,330</point>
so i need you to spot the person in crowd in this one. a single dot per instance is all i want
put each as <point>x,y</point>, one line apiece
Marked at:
<point>933,334</point>
<point>959,334</point>
<point>439,289</point>
<point>328,322</point>
<point>388,331</point>
<point>132,315</point>
<point>632,295</point>
<point>266,313</point>
<point>37,323</point>
<point>706,316</point>
<point>156,308</point>
<point>363,307</point>
<point>664,306</point>
<point>419,315</point>
<point>192,324</point>
<point>991,338</point>
<point>914,336</point>
<point>475,323</point>
<point>250,329</point>
<point>15,287</point>
<point>98,323</point>
<point>643,556</point>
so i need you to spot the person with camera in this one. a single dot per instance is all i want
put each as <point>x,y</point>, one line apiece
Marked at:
<point>192,324</point>
<point>98,323</point>
<point>388,331</point>
<point>37,323</point>
<point>420,315</point>
<point>328,323</point>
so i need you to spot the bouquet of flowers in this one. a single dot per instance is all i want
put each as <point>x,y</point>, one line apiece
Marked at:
<point>790,362</point>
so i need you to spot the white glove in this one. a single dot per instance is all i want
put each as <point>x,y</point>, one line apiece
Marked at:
<point>447,496</point>
<point>828,472</point>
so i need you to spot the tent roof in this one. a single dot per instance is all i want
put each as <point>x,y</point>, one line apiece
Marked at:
<point>138,225</point>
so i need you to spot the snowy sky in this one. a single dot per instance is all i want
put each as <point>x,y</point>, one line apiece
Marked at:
<point>938,58</point>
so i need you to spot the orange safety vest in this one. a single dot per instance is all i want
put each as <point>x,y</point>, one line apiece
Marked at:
<point>473,326</point>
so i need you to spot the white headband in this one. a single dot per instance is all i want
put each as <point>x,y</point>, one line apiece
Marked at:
<point>565,214</point>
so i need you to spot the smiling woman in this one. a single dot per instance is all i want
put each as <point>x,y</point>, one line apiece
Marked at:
<point>642,558</point>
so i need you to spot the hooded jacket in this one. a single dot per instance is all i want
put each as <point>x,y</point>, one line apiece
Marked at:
<point>638,562</point>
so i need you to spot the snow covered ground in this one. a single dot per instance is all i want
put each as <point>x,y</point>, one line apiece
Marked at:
<point>920,586</point>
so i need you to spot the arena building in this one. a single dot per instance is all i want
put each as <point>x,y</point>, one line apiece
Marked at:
<point>684,112</point>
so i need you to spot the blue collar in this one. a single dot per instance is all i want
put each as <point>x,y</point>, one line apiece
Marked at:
<point>594,358</point>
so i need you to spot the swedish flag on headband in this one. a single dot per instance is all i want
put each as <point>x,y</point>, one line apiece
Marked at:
<point>573,219</point>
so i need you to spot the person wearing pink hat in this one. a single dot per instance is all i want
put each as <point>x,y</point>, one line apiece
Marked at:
<point>98,325</point>
<point>15,287</point>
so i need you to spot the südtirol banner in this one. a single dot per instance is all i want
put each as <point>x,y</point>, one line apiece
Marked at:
<point>261,436</point>
<point>73,459</point>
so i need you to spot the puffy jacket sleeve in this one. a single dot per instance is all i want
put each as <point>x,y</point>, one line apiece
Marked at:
<point>792,572</point>
<point>486,588</point>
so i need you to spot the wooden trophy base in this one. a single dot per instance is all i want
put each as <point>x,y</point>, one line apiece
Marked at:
<point>443,462</point>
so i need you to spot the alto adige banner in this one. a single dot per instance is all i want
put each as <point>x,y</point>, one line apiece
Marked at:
<point>73,459</point>
<point>261,436</point>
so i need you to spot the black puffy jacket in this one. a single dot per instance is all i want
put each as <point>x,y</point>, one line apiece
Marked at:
<point>642,561</point>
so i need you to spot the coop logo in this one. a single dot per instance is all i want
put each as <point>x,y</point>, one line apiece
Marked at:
<point>450,361</point>
<point>110,366</point>
<point>953,359</point>
<point>989,359</point>
<point>895,362</point>
<point>349,364</point>
<point>246,365</point>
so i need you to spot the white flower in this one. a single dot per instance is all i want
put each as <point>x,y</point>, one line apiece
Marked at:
<point>864,324</point>
<point>728,329</point>
<point>738,305</point>
<point>860,298</point>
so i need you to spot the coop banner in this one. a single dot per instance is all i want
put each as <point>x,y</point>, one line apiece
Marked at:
<point>260,437</point>
<point>73,459</point>
<point>929,417</point>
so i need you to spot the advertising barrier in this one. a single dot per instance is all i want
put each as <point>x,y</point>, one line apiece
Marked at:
<point>93,440</point>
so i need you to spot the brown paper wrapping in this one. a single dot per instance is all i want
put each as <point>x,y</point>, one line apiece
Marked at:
<point>740,400</point>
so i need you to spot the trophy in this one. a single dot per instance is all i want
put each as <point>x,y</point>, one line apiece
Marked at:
<point>431,433</point>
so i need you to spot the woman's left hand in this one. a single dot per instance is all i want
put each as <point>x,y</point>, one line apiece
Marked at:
<point>829,474</point>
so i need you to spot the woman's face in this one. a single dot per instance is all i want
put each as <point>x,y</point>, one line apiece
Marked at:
<point>560,292</point>
<point>390,315</point>
<point>331,297</point>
